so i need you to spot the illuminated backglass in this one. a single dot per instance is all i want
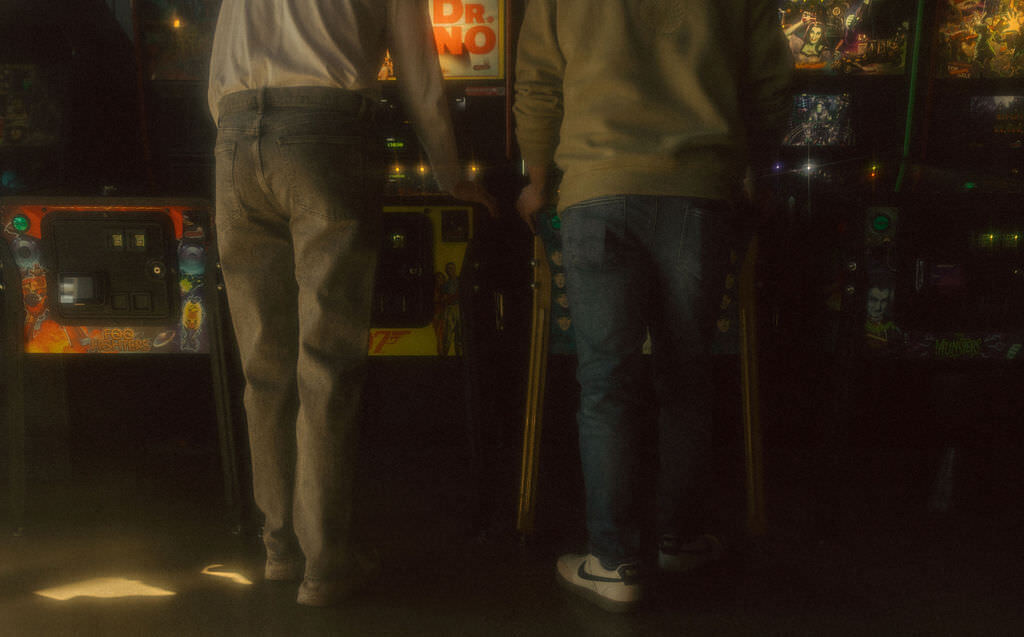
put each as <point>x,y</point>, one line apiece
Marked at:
<point>844,37</point>
<point>980,39</point>
<point>470,39</point>
<point>820,119</point>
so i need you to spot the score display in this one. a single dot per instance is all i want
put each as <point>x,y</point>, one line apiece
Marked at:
<point>997,122</point>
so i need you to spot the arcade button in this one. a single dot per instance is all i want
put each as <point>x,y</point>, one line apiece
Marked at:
<point>120,302</point>
<point>881,223</point>
<point>21,223</point>
<point>142,301</point>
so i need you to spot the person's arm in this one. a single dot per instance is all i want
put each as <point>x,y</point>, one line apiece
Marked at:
<point>421,86</point>
<point>538,105</point>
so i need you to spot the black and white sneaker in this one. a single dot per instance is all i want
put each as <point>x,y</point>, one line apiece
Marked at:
<point>677,555</point>
<point>616,591</point>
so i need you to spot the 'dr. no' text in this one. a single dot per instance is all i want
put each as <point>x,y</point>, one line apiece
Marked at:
<point>463,26</point>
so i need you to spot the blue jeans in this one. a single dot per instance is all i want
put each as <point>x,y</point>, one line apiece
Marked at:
<point>298,223</point>
<point>635,263</point>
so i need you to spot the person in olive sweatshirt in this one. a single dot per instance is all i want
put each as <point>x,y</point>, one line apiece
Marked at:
<point>661,116</point>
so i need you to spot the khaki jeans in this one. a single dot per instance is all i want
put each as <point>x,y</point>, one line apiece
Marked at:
<point>298,219</point>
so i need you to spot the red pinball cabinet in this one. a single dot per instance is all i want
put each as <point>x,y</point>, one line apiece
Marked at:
<point>109,276</point>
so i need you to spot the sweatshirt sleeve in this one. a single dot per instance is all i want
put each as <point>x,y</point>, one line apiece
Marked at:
<point>767,83</point>
<point>421,86</point>
<point>538,93</point>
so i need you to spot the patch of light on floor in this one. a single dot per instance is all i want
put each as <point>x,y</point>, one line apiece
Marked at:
<point>104,587</point>
<point>238,578</point>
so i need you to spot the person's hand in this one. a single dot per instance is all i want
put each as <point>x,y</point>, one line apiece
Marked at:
<point>474,192</point>
<point>531,199</point>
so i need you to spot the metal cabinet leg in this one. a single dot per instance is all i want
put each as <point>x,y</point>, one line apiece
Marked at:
<point>13,386</point>
<point>222,400</point>
<point>749,385</point>
<point>537,375</point>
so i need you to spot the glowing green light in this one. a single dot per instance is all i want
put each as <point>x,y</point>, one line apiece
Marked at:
<point>881,223</point>
<point>970,185</point>
<point>556,222</point>
<point>21,223</point>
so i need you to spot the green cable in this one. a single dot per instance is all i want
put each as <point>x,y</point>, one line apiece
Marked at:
<point>915,64</point>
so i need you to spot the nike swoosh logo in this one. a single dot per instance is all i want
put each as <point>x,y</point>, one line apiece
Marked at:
<point>582,572</point>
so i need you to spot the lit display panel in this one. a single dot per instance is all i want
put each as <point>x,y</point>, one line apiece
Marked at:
<point>980,39</point>
<point>820,119</point>
<point>997,122</point>
<point>470,39</point>
<point>847,37</point>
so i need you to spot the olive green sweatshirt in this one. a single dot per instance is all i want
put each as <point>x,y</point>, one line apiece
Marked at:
<point>655,97</point>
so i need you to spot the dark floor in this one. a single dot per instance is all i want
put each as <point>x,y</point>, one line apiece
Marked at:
<point>144,502</point>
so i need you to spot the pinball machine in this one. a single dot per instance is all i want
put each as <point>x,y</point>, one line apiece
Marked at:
<point>944,286</point>
<point>111,277</point>
<point>86,270</point>
<point>844,152</point>
<point>447,307</point>
<point>901,183</point>
<point>950,245</point>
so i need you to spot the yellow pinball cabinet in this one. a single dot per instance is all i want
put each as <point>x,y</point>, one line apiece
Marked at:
<point>416,302</point>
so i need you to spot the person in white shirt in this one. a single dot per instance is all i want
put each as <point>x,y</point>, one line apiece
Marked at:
<point>299,179</point>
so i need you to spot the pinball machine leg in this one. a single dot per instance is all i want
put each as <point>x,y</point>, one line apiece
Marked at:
<point>222,402</point>
<point>14,390</point>
<point>536,378</point>
<point>749,387</point>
